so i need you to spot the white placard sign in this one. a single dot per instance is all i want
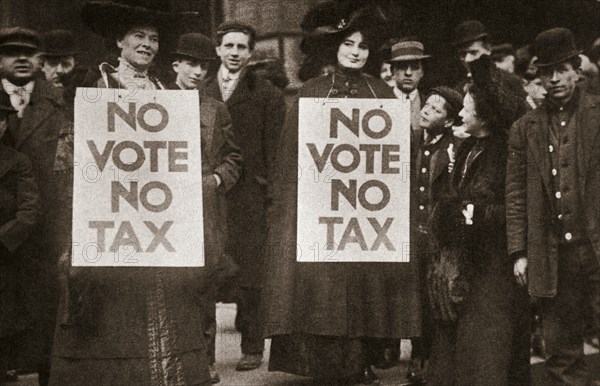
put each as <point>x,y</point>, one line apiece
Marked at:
<point>354,180</point>
<point>137,196</point>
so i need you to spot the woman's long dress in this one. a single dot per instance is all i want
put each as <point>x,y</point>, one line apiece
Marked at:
<point>327,319</point>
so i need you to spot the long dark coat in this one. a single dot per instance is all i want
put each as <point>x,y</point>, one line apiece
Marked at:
<point>19,215</point>
<point>151,319</point>
<point>474,349</point>
<point>36,135</point>
<point>530,223</point>
<point>257,111</point>
<point>337,299</point>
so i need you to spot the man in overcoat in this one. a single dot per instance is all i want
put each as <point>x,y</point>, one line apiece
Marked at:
<point>34,131</point>
<point>257,110</point>
<point>191,61</point>
<point>553,205</point>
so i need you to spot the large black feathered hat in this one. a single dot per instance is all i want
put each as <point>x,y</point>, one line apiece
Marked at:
<point>500,98</point>
<point>327,21</point>
<point>110,19</point>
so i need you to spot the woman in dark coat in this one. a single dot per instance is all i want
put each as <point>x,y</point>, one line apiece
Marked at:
<point>474,299</point>
<point>142,326</point>
<point>326,320</point>
<point>20,213</point>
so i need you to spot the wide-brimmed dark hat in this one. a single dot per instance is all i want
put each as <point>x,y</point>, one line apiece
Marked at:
<point>325,22</point>
<point>555,46</point>
<point>19,37</point>
<point>406,50</point>
<point>469,31</point>
<point>109,19</point>
<point>195,46</point>
<point>59,42</point>
<point>451,96</point>
<point>503,99</point>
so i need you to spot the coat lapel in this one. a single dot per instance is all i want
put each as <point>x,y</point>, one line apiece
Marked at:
<point>588,128</point>
<point>36,113</point>
<point>212,88</point>
<point>440,159</point>
<point>7,159</point>
<point>207,123</point>
<point>537,139</point>
<point>241,92</point>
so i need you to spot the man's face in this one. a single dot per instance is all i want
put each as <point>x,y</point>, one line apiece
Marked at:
<point>190,73</point>
<point>18,64</point>
<point>57,67</point>
<point>472,51</point>
<point>408,74</point>
<point>234,50</point>
<point>139,46</point>
<point>434,115</point>
<point>559,80</point>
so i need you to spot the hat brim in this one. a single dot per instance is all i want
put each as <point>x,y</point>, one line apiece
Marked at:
<point>20,45</point>
<point>108,19</point>
<point>480,36</point>
<point>408,58</point>
<point>59,54</point>
<point>558,60</point>
<point>187,55</point>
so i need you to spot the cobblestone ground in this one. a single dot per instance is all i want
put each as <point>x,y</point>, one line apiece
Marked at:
<point>228,353</point>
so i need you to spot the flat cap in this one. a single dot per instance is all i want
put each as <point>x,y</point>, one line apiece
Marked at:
<point>20,37</point>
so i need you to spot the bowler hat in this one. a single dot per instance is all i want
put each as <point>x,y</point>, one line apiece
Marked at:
<point>451,96</point>
<point>469,31</point>
<point>196,46</point>
<point>19,37</point>
<point>59,42</point>
<point>408,50</point>
<point>555,46</point>
<point>112,18</point>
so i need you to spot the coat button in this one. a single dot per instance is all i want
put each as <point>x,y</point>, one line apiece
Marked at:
<point>424,170</point>
<point>568,236</point>
<point>334,91</point>
<point>554,172</point>
<point>422,188</point>
<point>560,216</point>
<point>557,195</point>
<point>563,123</point>
<point>426,152</point>
<point>421,207</point>
<point>353,91</point>
<point>550,148</point>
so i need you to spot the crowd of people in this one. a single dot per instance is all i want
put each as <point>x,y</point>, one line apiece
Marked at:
<point>504,210</point>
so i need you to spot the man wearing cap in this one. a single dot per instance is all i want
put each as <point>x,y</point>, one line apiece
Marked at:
<point>34,131</point>
<point>471,40</point>
<point>553,205</point>
<point>58,57</point>
<point>503,56</point>
<point>407,66</point>
<point>257,110</point>
<point>191,60</point>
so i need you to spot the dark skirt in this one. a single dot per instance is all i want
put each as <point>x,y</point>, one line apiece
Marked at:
<point>478,348</point>
<point>189,369</point>
<point>323,357</point>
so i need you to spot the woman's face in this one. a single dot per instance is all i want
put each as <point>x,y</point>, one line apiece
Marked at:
<point>353,52</point>
<point>139,46</point>
<point>471,122</point>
